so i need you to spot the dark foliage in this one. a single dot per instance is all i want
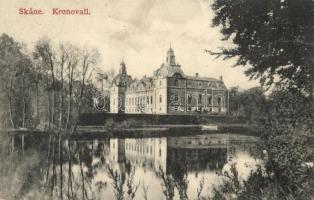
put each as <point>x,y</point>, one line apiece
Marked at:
<point>250,104</point>
<point>274,37</point>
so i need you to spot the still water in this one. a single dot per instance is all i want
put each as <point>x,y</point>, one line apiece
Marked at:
<point>107,168</point>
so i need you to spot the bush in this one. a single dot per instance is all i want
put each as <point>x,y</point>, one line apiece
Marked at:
<point>284,174</point>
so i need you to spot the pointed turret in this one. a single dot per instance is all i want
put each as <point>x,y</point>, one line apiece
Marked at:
<point>122,68</point>
<point>170,59</point>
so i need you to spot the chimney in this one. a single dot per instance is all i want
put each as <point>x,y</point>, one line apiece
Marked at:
<point>196,75</point>
<point>220,77</point>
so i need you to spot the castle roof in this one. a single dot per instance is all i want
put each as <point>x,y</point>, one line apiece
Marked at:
<point>122,79</point>
<point>146,83</point>
<point>168,71</point>
<point>202,78</point>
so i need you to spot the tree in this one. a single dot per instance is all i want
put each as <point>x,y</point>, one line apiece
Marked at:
<point>273,38</point>
<point>250,104</point>
<point>289,112</point>
<point>15,79</point>
<point>45,54</point>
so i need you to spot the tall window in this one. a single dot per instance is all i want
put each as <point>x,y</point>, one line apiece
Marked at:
<point>219,101</point>
<point>189,98</point>
<point>176,82</point>
<point>200,98</point>
<point>151,99</point>
<point>160,99</point>
<point>210,100</point>
<point>159,82</point>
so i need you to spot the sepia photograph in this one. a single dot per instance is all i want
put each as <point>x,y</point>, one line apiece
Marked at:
<point>157,100</point>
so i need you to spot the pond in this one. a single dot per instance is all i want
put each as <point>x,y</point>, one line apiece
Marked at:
<point>151,168</point>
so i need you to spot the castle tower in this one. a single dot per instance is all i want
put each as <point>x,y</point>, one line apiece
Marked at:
<point>122,68</point>
<point>118,89</point>
<point>170,59</point>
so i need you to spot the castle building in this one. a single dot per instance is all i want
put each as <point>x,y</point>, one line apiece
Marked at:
<point>168,91</point>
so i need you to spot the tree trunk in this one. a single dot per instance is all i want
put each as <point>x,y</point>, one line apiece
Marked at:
<point>53,166</point>
<point>10,113</point>
<point>70,187</point>
<point>48,159</point>
<point>61,101</point>
<point>23,100</point>
<point>61,168</point>
<point>70,84</point>
<point>10,104</point>
<point>82,172</point>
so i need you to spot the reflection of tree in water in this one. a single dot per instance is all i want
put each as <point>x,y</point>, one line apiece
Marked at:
<point>178,170</point>
<point>197,159</point>
<point>72,173</point>
<point>180,161</point>
<point>68,170</point>
<point>65,171</point>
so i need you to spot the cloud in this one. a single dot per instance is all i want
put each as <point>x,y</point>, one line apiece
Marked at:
<point>137,31</point>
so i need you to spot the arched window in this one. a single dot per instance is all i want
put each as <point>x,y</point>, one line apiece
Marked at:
<point>189,98</point>
<point>219,101</point>
<point>210,100</point>
<point>176,98</point>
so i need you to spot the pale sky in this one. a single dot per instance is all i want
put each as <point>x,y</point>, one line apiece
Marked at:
<point>137,31</point>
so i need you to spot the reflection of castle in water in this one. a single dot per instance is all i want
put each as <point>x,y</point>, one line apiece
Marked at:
<point>197,153</point>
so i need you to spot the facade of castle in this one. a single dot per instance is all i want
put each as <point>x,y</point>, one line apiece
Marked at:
<point>168,91</point>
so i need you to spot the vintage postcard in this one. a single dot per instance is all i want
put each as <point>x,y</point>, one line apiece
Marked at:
<point>156,99</point>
